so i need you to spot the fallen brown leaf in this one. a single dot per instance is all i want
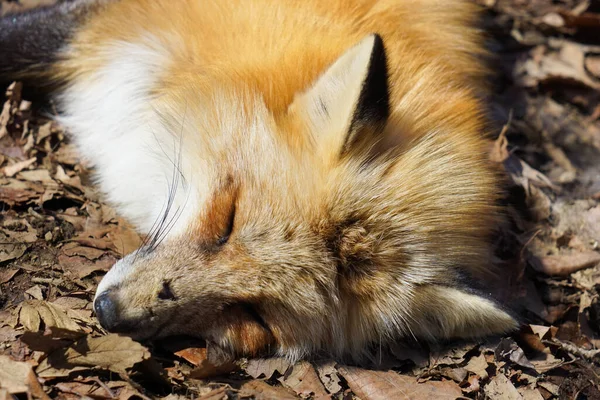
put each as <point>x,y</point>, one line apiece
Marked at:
<point>71,303</point>
<point>35,292</point>
<point>11,251</point>
<point>472,384</point>
<point>49,340</point>
<point>217,394</point>
<point>303,379</point>
<point>113,352</point>
<point>509,350</point>
<point>562,61</point>
<point>375,385</point>
<point>36,175</point>
<point>72,249</point>
<point>550,387</point>
<point>197,356</point>
<point>478,365</point>
<point>14,191</point>
<point>33,312</point>
<point>7,274</point>
<point>81,267</point>
<point>530,394</point>
<point>499,152</point>
<point>329,376</point>
<point>267,367</point>
<point>500,388</point>
<point>260,390</point>
<point>18,378</point>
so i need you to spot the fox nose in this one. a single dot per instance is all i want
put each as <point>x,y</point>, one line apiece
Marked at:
<point>106,309</point>
<point>109,314</point>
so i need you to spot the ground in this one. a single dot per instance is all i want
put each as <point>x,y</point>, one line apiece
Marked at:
<point>57,239</point>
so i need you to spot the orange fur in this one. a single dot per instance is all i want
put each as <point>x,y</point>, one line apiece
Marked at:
<point>334,248</point>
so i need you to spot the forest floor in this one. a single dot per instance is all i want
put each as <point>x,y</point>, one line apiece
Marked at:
<point>58,238</point>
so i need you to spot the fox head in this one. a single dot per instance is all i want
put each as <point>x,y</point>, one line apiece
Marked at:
<point>307,231</point>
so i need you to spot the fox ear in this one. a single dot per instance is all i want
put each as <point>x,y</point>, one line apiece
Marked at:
<point>347,107</point>
<point>453,313</point>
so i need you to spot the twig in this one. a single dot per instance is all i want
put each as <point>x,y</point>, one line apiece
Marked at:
<point>573,349</point>
<point>104,386</point>
<point>48,281</point>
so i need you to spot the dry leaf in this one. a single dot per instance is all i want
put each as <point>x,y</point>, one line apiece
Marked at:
<point>7,274</point>
<point>125,239</point>
<point>550,387</point>
<point>260,390</point>
<point>375,385</point>
<point>472,384</point>
<point>500,388</point>
<point>303,379</point>
<point>35,292</point>
<point>18,377</point>
<point>50,340</point>
<point>530,394</point>
<point>9,251</point>
<point>563,61</point>
<point>267,366</point>
<point>451,356</point>
<point>197,356</point>
<point>544,362</point>
<point>67,154</point>
<point>71,303</point>
<point>36,175</point>
<point>112,352</point>
<point>509,350</point>
<point>28,317</point>
<point>524,175</point>
<point>329,376</point>
<point>217,394</point>
<point>81,267</point>
<point>32,312</point>
<point>193,355</point>
<point>458,375</point>
<point>72,249</point>
<point>14,191</point>
<point>541,331</point>
<point>478,365</point>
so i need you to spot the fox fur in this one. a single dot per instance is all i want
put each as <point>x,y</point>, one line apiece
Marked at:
<point>312,175</point>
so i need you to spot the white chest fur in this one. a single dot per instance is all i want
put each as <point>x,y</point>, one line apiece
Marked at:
<point>111,120</point>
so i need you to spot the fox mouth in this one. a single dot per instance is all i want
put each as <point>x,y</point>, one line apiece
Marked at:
<point>239,326</point>
<point>143,324</point>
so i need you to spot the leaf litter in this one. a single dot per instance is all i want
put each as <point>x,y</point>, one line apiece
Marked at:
<point>57,239</point>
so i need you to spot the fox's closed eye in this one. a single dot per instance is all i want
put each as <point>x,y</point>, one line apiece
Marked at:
<point>224,238</point>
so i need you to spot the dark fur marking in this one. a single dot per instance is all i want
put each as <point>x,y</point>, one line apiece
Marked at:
<point>230,222</point>
<point>373,105</point>
<point>323,107</point>
<point>289,233</point>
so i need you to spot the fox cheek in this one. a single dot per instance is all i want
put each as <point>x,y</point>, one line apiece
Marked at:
<point>242,332</point>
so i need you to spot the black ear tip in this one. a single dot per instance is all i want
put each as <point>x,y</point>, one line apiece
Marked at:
<point>377,39</point>
<point>378,47</point>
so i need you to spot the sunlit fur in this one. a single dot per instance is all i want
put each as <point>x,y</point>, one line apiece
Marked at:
<point>333,250</point>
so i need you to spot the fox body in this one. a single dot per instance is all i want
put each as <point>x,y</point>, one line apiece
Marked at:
<point>312,176</point>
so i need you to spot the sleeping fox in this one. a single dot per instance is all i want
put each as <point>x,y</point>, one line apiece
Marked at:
<point>312,176</point>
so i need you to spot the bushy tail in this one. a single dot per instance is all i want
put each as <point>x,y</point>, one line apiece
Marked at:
<point>31,41</point>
